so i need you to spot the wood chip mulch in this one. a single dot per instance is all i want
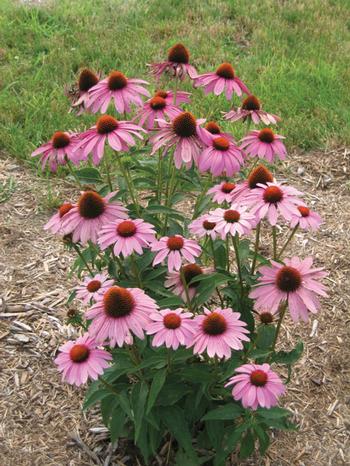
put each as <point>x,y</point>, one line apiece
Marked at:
<point>41,422</point>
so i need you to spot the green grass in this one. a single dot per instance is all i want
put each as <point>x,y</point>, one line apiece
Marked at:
<point>293,54</point>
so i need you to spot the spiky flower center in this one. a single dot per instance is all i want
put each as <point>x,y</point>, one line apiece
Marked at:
<point>259,175</point>
<point>208,225</point>
<point>172,321</point>
<point>106,124</point>
<point>214,324</point>
<point>273,194</point>
<point>116,81</point>
<point>213,127</point>
<point>266,135</point>
<point>225,70</point>
<point>126,229</point>
<point>305,211</point>
<point>266,317</point>
<point>160,93</point>
<point>258,378</point>
<point>191,271</point>
<point>221,143</point>
<point>157,103</point>
<point>288,279</point>
<point>232,216</point>
<point>227,187</point>
<point>87,80</point>
<point>79,353</point>
<point>60,140</point>
<point>64,209</point>
<point>93,286</point>
<point>179,54</point>
<point>251,103</point>
<point>184,125</point>
<point>118,302</point>
<point>91,205</point>
<point>175,243</point>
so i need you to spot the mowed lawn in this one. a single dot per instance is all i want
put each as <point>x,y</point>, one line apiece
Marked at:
<point>292,54</point>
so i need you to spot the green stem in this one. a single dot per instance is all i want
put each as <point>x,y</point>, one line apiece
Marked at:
<point>211,242</point>
<point>169,190</point>
<point>183,279</point>
<point>109,180</point>
<point>288,241</point>
<point>160,177</point>
<point>279,323</point>
<point>175,90</point>
<point>136,271</point>
<point>129,183</point>
<point>235,241</point>
<point>82,258</point>
<point>119,262</point>
<point>228,252</point>
<point>72,172</point>
<point>256,247</point>
<point>201,196</point>
<point>274,241</point>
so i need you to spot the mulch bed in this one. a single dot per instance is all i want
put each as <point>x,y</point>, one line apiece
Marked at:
<point>41,422</point>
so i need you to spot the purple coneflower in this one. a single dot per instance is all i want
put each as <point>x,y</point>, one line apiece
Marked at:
<point>117,87</point>
<point>85,219</point>
<point>251,109</point>
<point>222,80</point>
<point>177,64</point>
<point>294,282</point>
<point>181,133</point>
<point>264,144</point>
<point>120,312</point>
<point>79,360</point>
<point>60,149</point>
<point>256,385</point>
<point>171,328</point>
<point>118,134</point>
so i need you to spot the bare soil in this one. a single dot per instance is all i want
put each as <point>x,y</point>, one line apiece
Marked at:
<point>41,422</point>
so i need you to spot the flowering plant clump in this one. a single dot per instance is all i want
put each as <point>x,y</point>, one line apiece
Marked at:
<point>180,313</point>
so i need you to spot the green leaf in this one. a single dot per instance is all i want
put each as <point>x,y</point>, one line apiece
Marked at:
<point>197,373</point>
<point>107,404</point>
<point>139,396</point>
<point>174,418</point>
<point>289,357</point>
<point>88,175</point>
<point>94,395</point>
<point>171,393</point>
<point>234,434</point>
<point>156,386</point>
<point>264,439</point>
<point>273,413</point>
<point>265,336</point>
<point>174,301</point>
<point>226,412</point>
<point>247,445</point>
<point>259,353</point>
<point>117,422</point>
<point>215,430</point>
<point>71,297</point>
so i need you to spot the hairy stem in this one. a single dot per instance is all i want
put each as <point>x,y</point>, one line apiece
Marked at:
<point>256,247</point>
<point>185,285</point>
<point>274,242</point>
<point>76,248</point>
<point>288,241</point>
<point>129,183</point>
<point>235,241</point>
<point>279,323</point>
<point>72,172</point>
